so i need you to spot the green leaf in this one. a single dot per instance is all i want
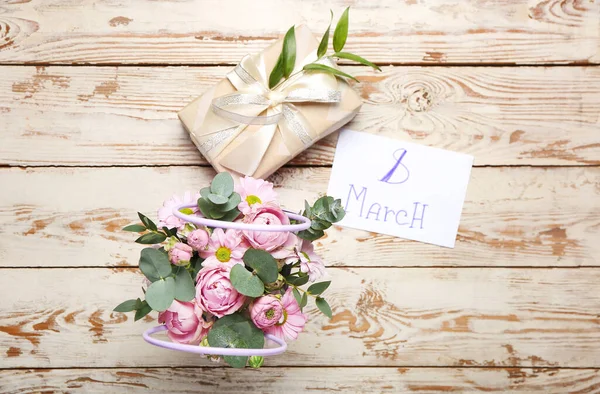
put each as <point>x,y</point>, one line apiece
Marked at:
<point>307,210</point>
<point>318,288</point>
<point>356,58</point>
<point>325,40</point>
<point>151,238</point>
<point>289,52</point>
<point>160,294</point>
<point>184,285</point>
<point>126,306</point>
<point>231,215</point>
<point>222,184</point>
<point>204,192</point>
<point>142,311</point>
<point>154,264</point>
<point>327,69</point>
<point>246,283</point>
<point>235,331</point>
<point>171,232</point>
<point>311,235</point>
<point>297,280</point>
<point>135,228</point>
<point>217,199</point>
<point>297,295</point>
<point>323,307</point>
<point>147,222</point>
<point>318,224</point>
<point>263,264</point>
<point>205,207</point>
<point>341,31</point>
<point>234,200</point>
<point>277,72</point>
<point>196,263</point>
<point>303,301</point>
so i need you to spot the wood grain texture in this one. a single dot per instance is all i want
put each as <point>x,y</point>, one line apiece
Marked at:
<point>511,217</point>
<point>303,380</point>
<point>215,31</point>
<point>108,115</point>
<point>59,318</point>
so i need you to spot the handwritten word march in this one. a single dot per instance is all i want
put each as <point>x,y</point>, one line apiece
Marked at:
<point>400,188</point>
<point>377,212</point>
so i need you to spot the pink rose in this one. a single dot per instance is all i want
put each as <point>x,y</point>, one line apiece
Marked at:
<point>266,311</point>
<point>198,239</point>
<point>267,215</point>
<point>215,293</point>
<point>184,323</point>
<point>180,254</point>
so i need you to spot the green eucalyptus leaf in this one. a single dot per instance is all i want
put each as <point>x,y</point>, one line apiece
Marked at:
<point>204,192</point>
<point>196,264</point>
<point>154,264</point>
<point>222,184</point>
<point>262,263</point>
<point>277,72</point>
<point>151,238</point>
<point>184,285</point>
<point>318,288</point>
<point>289,52</point>
<point>341,32</point>
<point>160,294</point>
<point>320,224</point>
<point>205,207</point>
<point>217,199</point>
<point>231,215</point>
<point>323,307</point>
<point>235,331</point>
<point>246,283</point>
<point>297,295</point>
<point>234,200</point>
<point>135,228</point>
<point>142,311</point>
<point>126,306</point>
<point>297,280</point>
<point>307,209</point>
<point>147,222</point>
<point>325,40</point>
<point>356,58</point>
<point>311,235</point>
<point>303,301</point>
<point>329,70</point>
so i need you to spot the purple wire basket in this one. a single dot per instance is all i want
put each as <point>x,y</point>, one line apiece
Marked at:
<point>304,224</point>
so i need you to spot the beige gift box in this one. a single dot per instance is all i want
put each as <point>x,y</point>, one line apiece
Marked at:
<point>242,127</point>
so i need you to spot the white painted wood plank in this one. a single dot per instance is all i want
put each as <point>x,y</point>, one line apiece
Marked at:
<point>108,115</point>
<point>58,318</point>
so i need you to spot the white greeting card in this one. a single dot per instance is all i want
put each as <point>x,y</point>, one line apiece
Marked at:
<point>400,188</point>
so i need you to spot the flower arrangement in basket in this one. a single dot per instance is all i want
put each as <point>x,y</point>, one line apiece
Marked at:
<point>227,267</point>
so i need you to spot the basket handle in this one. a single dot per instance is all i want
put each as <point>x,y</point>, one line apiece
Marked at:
<point>218,351</point>
<point>243,226</point>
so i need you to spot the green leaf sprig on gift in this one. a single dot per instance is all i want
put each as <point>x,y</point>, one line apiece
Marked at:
<point>229,288</point>
<point>287,59</point>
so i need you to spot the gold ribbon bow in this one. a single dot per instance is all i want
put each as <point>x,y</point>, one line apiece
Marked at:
<point>254,114</point>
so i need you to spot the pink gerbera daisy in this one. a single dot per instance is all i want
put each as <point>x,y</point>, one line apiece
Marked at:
<point>224,247</point>
<point>165,213</point>
<point>292,322</point>
<point>254,193</point>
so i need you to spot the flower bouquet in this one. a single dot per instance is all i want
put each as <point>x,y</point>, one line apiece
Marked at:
<point>227,267</point>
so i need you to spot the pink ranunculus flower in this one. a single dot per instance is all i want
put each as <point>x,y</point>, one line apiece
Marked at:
<point>214,292</point>
<point>254,193</point>
<point>292,320</point>
<point>165,213</point>
<point>198,239</point>
<point>180,254</point>
<point>224,248</point>
<point>184,322</point>
<point>267,215</point>
<point>266,311</point>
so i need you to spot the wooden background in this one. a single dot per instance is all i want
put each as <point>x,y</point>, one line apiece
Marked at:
<point>89,92</point>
